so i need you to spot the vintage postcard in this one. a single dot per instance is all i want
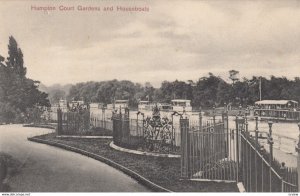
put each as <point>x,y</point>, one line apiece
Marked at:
<point>149,96</point>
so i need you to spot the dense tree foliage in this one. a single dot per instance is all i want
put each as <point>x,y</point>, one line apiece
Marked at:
<point>107,91</point>
<point>18,94</point>
<point>205,92</point>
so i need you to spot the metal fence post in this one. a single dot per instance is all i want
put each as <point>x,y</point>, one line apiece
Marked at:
<point>282,174</point>
<point>200,119</point>
<point>256,147</point>
<point>256,129</point>
<point>270,142</point>
<point>144,125</point>
<point>102,124</point>
<point>225,130</point>
<point>137,123</point>
<point>298,159</point>
<point>214,115</point>
<point>237,149</point>
<point>185,150</point>
<point>59,121</point>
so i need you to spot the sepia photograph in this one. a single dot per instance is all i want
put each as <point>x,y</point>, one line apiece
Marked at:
<point>123,96</point>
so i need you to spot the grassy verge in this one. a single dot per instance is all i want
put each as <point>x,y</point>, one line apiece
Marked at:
<point>8,168</point>
<point>162,171</point>
<point>91,132</point>
<point>47,126</point>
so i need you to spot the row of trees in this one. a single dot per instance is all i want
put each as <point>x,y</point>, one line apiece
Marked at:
<point>205,92</point>
<point>19,95</point>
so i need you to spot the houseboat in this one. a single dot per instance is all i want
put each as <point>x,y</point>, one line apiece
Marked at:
<point>145,106</point>
<point>165,107</point>
<point>180,105</point>
<point>96,108</point>
<point>117,104</point>
<point>278,110</point>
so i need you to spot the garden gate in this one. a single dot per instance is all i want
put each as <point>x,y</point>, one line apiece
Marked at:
<point>208,150</point>
<point>212,152</point>
<point>73,122</point>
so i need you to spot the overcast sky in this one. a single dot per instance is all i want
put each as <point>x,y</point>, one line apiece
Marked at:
<point>174,40</point>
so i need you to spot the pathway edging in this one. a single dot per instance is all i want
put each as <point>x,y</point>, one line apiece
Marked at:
<point>85,136</point>
<point>112,145</point>
<point>107,161</point>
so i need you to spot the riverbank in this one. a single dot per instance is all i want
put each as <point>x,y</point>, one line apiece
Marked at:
<point>164,172</point>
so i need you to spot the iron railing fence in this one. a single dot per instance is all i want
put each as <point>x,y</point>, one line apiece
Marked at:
<point>259,173</point>
<point>210,155</point>
<point>281,142</point>
<point>208,150</point>
<point>103,124</point>
<point>154,134</point>
<point>72,122</point>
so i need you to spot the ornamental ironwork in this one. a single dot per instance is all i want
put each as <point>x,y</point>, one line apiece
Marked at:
<point>159,133</point>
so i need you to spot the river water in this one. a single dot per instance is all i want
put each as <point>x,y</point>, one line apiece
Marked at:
<point>285,135</point>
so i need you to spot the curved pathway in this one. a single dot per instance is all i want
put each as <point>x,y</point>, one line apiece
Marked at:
<point>49,169</point>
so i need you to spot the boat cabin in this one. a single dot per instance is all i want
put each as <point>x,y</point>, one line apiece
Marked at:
<point>180,105</point>
<point>165,107</point>
<point>145,105</point>
<point>286,110</point>
<point>118,103</point>
<point>277,104</point>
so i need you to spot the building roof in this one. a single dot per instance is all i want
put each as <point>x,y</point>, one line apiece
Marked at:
<point>275,102</point>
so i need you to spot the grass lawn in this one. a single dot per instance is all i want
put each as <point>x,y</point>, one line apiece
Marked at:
<point>8,168</point>
<point>160,170</point>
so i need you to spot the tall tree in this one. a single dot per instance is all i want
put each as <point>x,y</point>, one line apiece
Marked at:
<point>17,93</point>
<point>15,58</point>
